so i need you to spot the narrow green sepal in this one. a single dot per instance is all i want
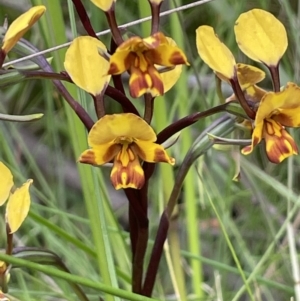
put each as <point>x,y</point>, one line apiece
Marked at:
<point>228,141</point>
<point>20,118</point>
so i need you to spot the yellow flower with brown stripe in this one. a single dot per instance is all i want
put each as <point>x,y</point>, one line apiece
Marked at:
<point>275,112</point>
<point>139,56</point>
<point>126,139</point>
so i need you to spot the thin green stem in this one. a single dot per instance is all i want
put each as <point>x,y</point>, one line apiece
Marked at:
<point>233,253</point>
<point>99,286</point>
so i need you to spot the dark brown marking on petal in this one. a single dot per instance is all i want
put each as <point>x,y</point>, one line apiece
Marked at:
<point>255,141</point>
<point>112,151</point>
<point>88,157</point>
<point>130,176</point>
<point>130,60</point>
<point>280,146</point>
<point>149,81</point>
<point>113,69</point>
<point>283,119</point>
<point>161,156</point>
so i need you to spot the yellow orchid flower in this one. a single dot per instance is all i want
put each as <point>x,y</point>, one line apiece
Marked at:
<point>18,201</point>
<point>105,5</point>
<point>86,67</point>
<point>126,139</point>
<point>20,26</point>
<point>139,56</point>
<point>261,36</point>
<point>276,111</point>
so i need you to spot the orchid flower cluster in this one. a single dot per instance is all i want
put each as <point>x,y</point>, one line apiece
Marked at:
<point>153,64</point>
<point>263,39</point>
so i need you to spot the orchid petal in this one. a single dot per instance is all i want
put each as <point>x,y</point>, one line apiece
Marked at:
<point>87,68</point>
<point>18,206</point>
<point>261,36</point>
<point>6,183</point>
<point>20,26</point>
<point>214,53</point>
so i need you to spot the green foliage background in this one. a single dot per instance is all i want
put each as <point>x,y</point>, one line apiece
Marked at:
<point>252,216</point>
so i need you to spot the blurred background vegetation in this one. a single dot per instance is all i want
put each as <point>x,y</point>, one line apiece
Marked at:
<point>255,211</point>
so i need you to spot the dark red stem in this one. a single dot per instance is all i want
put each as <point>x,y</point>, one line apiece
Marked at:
<point>155,9</point>
<point>115,31</point>
<point>84,18</point>
<point>275,77</point>
<point>138,221</point>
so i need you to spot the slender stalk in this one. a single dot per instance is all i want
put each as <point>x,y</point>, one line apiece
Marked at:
<point>149,107</point>
<point>115,31</point>
<point>9,240</point>
<point>139,237</point>
<point>99,105</point>
<point>241,97</point>
<point>2,57</point>
<point>155,10</point>
<point>84,18</point>
<point>184,122</point>
<point>274,70</point>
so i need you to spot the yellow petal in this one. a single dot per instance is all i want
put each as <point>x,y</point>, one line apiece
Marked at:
<point>164,51</point>
<point>151,152</point>
<point>130,175</point>
<point>257,136</point>
<point>20,26</point>
<point>104,4</point>
<point>170,78</point>
<point>261,36</point>
<point>87,68</point>
<point>283,106</point>
<point>18,206</point>
<point>100,154</point>
<point>249,75</point>
<point>214,53</point>
<point>6,183</point>
<point>111,127</point>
